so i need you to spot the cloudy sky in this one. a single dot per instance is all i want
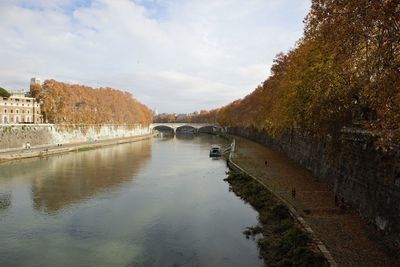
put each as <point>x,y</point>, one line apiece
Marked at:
<point>172,55</point>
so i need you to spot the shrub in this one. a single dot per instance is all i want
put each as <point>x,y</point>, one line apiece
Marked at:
<point>302,256</point>
<point>281,212</point>
<point>293,239</point>
<point>284,225</point>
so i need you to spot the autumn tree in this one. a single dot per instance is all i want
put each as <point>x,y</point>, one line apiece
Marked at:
<point>77,104</point>
<point>344,72</point>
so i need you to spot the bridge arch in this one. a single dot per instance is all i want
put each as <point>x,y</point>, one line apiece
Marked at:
<point>209,129</point>
<point>186,129</point>
<point>164,129</point>
<point>174,127</point>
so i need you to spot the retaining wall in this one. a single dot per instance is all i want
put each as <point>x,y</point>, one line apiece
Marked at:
<point>368,180</point>
<point>16,136</point>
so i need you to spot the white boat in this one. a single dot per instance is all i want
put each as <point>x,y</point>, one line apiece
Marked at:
<point>215,151</point>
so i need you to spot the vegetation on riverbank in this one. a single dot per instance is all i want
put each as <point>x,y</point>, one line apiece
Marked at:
<point>79,104</point>
<point>343,72</point>
<point>280,239</point>
<point>4,92</point>
<point>86,148</point>
<point>203,116</point>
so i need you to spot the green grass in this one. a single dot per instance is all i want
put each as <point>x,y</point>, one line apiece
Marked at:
<point>86,148</point>
<point>280,240</point>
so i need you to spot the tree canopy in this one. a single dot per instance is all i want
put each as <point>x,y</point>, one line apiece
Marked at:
<point>4,92</point>
<point>78,104</point>
<point>203,116</point>
<point>344,71</point>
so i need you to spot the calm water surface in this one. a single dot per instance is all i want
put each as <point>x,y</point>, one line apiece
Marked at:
<point>160,202</point>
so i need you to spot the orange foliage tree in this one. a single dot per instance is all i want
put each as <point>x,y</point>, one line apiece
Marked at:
<point>344,72</point>
<point>203,116</point>
<point>78,104</point>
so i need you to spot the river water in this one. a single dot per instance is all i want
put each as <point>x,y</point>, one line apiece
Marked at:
<point>158,202</point>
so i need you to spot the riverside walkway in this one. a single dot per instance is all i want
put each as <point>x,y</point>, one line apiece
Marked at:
<point>46,150</point>
<point>350,240</point>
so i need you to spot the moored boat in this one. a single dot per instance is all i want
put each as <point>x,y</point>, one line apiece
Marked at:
<point>215,151</point>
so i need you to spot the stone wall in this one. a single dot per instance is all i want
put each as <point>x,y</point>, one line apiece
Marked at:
<point>16,136</point>
<point>367,179</point>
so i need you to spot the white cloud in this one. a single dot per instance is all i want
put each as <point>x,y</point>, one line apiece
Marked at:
<point>176,56</point>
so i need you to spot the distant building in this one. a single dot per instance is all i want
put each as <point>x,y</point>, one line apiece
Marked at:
<point>35,80</point>
<point>20,108</point>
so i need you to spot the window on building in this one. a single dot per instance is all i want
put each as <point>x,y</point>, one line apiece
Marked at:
<point>17,111</point>
<point>11,111</point>
<point>28,111</point>
<point>5,110</point>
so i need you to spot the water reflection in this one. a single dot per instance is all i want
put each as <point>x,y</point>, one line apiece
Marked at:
<point>93,171</point>
<point>5,201</point>
<point>185,136</point>
<point>58,181</point>
<point>161,202</point>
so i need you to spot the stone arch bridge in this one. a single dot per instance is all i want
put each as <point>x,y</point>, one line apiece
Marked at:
<point>186,127</point>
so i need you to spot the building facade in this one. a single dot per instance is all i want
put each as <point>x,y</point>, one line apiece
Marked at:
<point>20,108</point>
<point>35,80</point>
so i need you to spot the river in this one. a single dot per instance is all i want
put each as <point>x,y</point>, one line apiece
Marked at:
<point>158,202</point>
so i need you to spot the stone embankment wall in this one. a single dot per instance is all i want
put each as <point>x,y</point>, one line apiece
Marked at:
<point>16,136</point>
<point>367,179</point>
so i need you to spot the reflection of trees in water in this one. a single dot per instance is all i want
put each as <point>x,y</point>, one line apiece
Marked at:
<point>201,138</point>
<point>20,168</point>
<point>77,176</point>
<point>185,135</point>
<point>5,201</point>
